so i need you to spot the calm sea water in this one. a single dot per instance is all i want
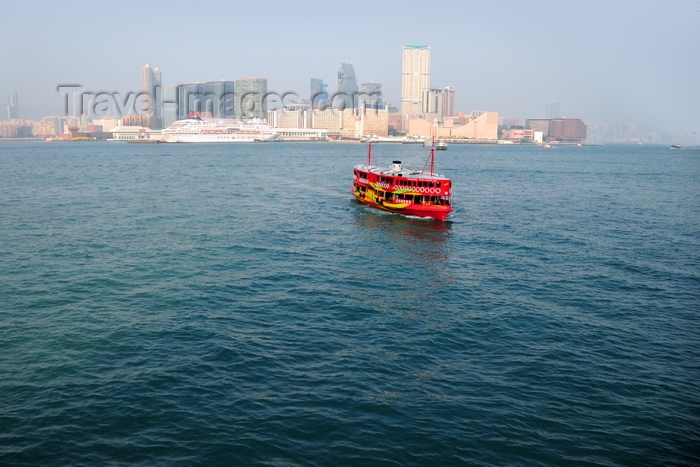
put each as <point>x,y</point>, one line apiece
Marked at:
<point>232,304</point>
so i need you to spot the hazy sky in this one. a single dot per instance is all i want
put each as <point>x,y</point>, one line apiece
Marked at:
<point>615,61</point>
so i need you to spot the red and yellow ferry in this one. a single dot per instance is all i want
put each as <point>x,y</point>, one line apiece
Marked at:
<point>403,191</point>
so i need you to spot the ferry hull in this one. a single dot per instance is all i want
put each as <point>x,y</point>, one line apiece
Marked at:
<point>439,213</point>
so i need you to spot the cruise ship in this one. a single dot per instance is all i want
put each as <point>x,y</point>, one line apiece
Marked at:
<point>196,130</point>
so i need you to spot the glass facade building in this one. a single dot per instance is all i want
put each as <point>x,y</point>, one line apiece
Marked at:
<point>251,99</point>
<point>347,96</point>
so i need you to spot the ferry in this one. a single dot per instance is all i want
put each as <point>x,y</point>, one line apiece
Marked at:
<point>196,130</point>
<point>404,191</point>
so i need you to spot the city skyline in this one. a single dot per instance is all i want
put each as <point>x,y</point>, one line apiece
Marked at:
<point>631,62</point>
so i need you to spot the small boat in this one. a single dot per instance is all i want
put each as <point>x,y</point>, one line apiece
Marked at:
<point>441,146</point>
<point>675,146</point>
<point>396,189</point>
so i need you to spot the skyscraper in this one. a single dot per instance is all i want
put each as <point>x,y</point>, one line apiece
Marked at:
<point>432,102</point>
<point>12,109</point>
<point>371,95</point>
<point>448,101</point>
<point>553,110</point>
<point>319,94</point>
<point>415,77</point>
<point>169,105</point>
<point>220,99</point>
<point>191,98</point>
<point>251,99</point>
<point>347,87</point>
<point>151,81</point>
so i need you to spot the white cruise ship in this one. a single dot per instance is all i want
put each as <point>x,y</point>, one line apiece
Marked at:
<point>196,130</point>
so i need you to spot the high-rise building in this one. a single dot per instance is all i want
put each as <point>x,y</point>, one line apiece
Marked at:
<point>220,99</point>
<point>448,102</point>
<point>371,95</point>
<point>251,99</point>
<point>553,110</point>
<point>151,81</point>
<point>432,102</point>
<point>191,99</point>
<point>12,109</point>
<point>347,87</point>
<point>439,102</point>
<point>169,105</point>
<point>215,99</point>
<point>319,94</point>
<point>415,78</point>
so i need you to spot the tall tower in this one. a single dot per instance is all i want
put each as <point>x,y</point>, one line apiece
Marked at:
<point>347,85</point>
<point>553,110</point>
<point>448,101</point>
<point>415,77</point>
<point>371,95</point>
<point>12,108</point>
<point>151,81</point>
<point>319,94</point>
<point>251,102</point>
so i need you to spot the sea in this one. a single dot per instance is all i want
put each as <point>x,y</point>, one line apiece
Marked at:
<point>232,304</point>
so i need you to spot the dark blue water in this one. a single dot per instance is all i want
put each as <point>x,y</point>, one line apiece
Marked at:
<point>232,304</point>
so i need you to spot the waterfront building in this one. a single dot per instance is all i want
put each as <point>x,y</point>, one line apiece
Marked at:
<point>103,124</point>
<point>415,78</point>
<point>48,127</point>
<point>481,126</point>
<point>538,124</point>
<point>288,118</point>
<point>375,122</point>
<point>567,130</point>
<point>126,133</point>
<point>12,109</point>
<point>16,128</point>
<point>251,99</point>
<point>134,120</point>
<point>327,119</point>
<point>518,135</point>
<point>397,123</point>
<point>301,134</point>
<point>347,96</point>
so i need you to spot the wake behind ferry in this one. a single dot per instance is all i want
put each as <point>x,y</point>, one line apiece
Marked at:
<point>403,191</point>
<point>196,130</point>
